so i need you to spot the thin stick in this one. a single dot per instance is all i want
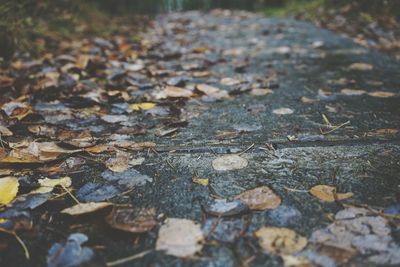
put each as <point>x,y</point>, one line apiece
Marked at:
<point>71,195</point>
<point>20,241</point>
<point>335,128</point>
<point>128,259</point>
<point>247,149</point>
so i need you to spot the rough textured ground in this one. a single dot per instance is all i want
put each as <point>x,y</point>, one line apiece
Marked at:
<point>306,68</point>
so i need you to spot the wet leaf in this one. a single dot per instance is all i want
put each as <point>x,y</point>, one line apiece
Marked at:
<point>47,185</point>
<point>71,253</point>
<point>361,66</point>
<point>381,94</point>
<point>8,189</point>
<point>180,238</point>
<point>114,118</point>
<point>229,163</point>
<point>283,111</point>
<point>328,193</point>
<point>277,240</point>
<point>260,198</point>
<point>132,220</point>
<point>223,207</point>
<point>142,106</point>
<point>85,208</point>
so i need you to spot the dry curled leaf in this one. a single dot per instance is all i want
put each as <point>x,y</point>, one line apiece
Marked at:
<point>180,237</point>
<point>328,193</point>
<point>229,162</point>
<point>8,189</point>
<point>84,208</point>
<point>278,240</point>
<point>260,198</point>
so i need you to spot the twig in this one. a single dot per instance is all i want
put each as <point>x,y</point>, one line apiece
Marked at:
<point>295,190</point>
<point>128,259</point>
<point>20,241</point>
<point>71,195</point>
<point>334,128</point>
<point>247,149</point>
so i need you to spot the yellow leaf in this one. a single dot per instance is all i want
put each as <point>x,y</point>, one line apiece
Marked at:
<point>47,185</point>
<point>328,193</point>
<point>8,189</point>
<point>142,106</point>
<point>200,181</point>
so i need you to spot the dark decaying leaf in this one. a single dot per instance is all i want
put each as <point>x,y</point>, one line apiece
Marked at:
<point>132,220</point>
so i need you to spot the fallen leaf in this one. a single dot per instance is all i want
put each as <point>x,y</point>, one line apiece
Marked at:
<point>132,220</point>
<point>223,207</point>
<point>4,131</point>
<point>47,185</point>
<point>229,81</point>
<point>120,163</point>
<point>278,240</point>
<point>260,198</point>
<point>283,111</point>
<point>307,100</point>
<point>361,66</point>
<point>381,94</point>
<point>180,238</point>
<point>384,132</point>
<point>175,92</point>
<point>8,189</point>
<point>347,91</point>
<point>212,91</point>
<point>98,149</point>
<point>71,253</point>
<point>142,106</point>
<point>229,163</point>
<point>260,92</point>
<point>328,193</point>
<point>84,208</point>
<point>114,118</point>
<point>200,181</point>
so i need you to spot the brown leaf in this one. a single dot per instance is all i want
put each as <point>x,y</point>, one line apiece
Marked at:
<point>328,193</point>
<point>260,198</point>
<point>132,220</point>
